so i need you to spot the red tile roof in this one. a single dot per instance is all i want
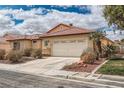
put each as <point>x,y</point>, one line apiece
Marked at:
<point>2,40</point>
<point>71,31</point>
<point>22,37</point>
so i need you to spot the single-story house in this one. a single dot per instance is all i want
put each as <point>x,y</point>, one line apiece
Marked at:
<point>62,40</point>
<point>120,46</point>
<point>68,40</point>
<point>22,42</point>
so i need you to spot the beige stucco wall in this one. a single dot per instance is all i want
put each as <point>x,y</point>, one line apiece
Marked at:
<point>37,45</point>
<point>106,41</point>
<point>6,46</point>
<point>24,44</point>
<point>84,37</point>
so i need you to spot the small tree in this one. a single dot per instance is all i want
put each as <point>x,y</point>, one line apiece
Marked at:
<point>96,37</point>
<point>110,49</point>
<point>114,15</point>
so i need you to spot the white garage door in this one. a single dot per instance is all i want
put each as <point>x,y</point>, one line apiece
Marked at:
<point>68,48</point>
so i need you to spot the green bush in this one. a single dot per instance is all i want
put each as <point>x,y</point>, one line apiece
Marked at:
<point>2,54</point>
<point>27,52</point>
<point>37,53</point>
<point>14,56</point>
<point>110,50</point>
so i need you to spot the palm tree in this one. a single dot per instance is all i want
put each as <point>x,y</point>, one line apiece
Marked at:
<point>96,37</point>
<point>110,49</point>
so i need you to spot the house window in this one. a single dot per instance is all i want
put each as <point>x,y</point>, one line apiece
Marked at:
<point>34,41</point>
<point>16,46</point>
<point>46,43</point>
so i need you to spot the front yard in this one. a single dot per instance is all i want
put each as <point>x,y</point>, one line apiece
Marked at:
<point>113,67</point>
<point>76,67</point>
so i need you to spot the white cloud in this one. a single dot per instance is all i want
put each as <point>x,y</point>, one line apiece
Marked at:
<point>6,24</point>
<point>115,36</point>
<point>35,23</point>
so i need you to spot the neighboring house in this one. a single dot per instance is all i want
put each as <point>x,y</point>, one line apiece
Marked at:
<point>22,42</point>
<point>120,46</point>
<point>105,41</point>
<point>62,40</point>
<point>4,44</point>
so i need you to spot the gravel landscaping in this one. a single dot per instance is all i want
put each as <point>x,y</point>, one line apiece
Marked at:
<point>83,67</point>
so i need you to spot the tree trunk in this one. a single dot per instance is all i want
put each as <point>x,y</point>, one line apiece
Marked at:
<point>99,48</point>
<point>94,46</point>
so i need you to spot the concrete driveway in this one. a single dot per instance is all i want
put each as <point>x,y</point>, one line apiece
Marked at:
<point>47,66</point>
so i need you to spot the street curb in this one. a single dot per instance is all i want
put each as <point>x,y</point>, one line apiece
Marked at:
<point>67,78</point>
<point>97,82</point>
<point>87,80</point>
<point>94,71</point>
<point>111,77</point>
<point>100,81</point>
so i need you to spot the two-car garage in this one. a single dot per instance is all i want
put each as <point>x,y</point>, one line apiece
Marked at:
<point>68,48</point>
<point>66,41</point>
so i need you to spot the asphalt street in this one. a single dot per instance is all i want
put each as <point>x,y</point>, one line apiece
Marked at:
<point>10,79</point>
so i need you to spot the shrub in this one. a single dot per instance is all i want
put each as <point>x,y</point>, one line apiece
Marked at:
<point>2,54</point>
<point>14,56</point>
<point>82,55</point>
<point>27,52</point>
<point>110,50</point>
<point>88,57</point>
<point>116,57</point>
<point>37,53</point>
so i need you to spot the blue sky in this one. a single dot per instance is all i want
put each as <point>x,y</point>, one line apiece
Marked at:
<point>84,9</point>
<point>75,9</point>
<point>35,19</point>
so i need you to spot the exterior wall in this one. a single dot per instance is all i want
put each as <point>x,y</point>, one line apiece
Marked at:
<point>48,49</point>
<point>106,41</point>
<point>6,46</point>
<point>24,44</point>
<point>37,44</point>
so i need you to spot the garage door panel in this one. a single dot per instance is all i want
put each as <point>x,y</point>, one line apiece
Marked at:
<point>68,48</point>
